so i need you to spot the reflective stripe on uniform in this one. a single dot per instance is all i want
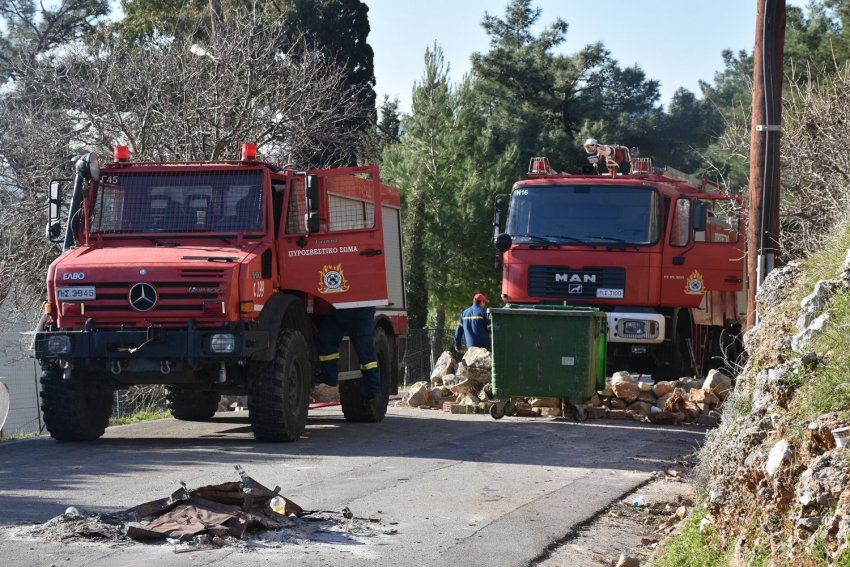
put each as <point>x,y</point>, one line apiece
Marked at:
<point>473,317</point>
<point>369,365</point>
<point>328,357</point>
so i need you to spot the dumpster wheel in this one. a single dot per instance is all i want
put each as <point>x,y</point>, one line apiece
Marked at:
<point>497,410</point>
<point>576,412</point>
<point>501,408</point>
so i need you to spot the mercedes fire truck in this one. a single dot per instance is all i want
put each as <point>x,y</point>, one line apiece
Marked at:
<point>207,277</point>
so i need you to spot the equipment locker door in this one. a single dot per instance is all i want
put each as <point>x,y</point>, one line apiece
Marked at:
<point>343,262</point>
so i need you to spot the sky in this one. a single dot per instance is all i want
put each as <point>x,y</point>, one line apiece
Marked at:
<point>677,42</point>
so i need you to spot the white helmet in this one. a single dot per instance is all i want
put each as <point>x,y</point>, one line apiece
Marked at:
<point>590,145</point>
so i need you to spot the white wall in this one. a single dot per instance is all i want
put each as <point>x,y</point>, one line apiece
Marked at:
<point>19,373</point>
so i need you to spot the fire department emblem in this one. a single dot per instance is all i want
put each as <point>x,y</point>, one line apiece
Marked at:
<point>695,284</point>
<point>332,280</point>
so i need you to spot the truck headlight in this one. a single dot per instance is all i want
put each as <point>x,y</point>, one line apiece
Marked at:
<point>59,344</point>
<point>634,328</point>
<point>222,343</point>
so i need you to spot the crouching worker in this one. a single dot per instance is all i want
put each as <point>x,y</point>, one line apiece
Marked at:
<point>362,400</point>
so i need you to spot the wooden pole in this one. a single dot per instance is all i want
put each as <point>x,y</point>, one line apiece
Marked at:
<point>763,227</point>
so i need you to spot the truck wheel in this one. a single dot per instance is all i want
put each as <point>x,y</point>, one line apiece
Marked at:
<point>77,409</point>
<point>279,390</point>
<point>355,407</point>
<point>187,405</point>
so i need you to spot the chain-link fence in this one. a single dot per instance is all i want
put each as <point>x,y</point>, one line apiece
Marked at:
<point>424,347</point>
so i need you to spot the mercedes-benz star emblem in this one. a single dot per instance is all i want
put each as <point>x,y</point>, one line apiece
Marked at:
<point>142,297</point>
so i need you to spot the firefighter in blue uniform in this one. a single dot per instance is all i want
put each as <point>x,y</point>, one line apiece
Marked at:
<point>474,324</point>
<point>357,323</point>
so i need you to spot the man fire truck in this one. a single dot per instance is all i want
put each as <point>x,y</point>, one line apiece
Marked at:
<point>659,251</point>
<point>209,278</point>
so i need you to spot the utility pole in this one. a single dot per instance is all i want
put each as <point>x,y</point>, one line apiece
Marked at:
<point>763,228</point>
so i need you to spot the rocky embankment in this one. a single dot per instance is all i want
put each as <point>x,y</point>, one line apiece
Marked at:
<point>775,480</point>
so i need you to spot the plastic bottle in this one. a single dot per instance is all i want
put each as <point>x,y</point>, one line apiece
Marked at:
<point>640,500</point>
<point>278,504</point>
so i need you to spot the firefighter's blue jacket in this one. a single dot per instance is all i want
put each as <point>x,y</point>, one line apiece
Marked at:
<point>474,325</point>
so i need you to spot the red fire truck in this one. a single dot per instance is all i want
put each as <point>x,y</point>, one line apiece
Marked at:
<point>208,278</point>
<point>659,251</point>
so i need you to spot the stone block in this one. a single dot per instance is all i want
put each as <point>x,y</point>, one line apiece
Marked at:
<point>663,388</point>
<point>626,391</point>
<point>595,412</point>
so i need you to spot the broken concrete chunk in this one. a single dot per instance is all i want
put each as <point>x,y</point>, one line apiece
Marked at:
<point>445,365</point>
<point>719,384</point>
<point>663,388</point>
<point>545,402</point>
<point>622,376</point>
<point>647,397</point>
<point>466,387</point>
<point>663,418</point>
<point>626,391</point>
<point>420,395</point>
<point>595,412</point>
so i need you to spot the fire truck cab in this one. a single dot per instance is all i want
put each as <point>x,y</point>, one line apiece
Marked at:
<point>659,251</point>
<point>208,277</point>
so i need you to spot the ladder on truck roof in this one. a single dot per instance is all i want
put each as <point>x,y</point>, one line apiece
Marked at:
<point>699,183</point>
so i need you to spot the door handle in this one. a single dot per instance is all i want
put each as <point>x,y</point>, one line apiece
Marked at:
<point>371,252</point>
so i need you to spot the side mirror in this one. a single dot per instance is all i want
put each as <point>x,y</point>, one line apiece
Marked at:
<point>503,242</point>
<point>54,211</point>
<point>312,193</point>
<point>700,216</point>
<point>498,215</point>
<point>311,221</point>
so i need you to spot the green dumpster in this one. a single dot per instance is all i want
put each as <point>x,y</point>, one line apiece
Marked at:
<point>547,351</point>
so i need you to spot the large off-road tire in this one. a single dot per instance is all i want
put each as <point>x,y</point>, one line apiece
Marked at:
<point>355,406</point>
<point>279,390</point>
<point>188,405</point>
<point>77,409</point>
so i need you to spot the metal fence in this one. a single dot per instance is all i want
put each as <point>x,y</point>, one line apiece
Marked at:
<point>424,347</point>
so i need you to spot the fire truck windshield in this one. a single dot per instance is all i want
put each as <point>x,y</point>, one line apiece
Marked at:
<point>141,202</point>
<point>591,214</point>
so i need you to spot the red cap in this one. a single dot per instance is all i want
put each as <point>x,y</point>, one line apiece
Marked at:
<point>480,297</point>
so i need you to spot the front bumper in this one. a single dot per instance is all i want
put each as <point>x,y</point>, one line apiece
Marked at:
<point>184,347</point>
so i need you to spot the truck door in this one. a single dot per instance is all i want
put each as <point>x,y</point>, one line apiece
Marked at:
<point>703,251</point>
<point>343,261</point>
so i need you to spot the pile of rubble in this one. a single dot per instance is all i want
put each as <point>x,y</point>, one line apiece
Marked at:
<point>464,387</point>
<point>455,386</point>
<point>632,396</point>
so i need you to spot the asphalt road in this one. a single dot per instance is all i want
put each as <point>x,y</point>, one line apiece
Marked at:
<point>440,489</point>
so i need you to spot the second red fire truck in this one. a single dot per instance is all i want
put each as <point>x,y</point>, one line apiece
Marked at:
<point>659,251</point>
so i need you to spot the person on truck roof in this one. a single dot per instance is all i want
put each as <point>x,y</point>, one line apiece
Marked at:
<point>474,324</point>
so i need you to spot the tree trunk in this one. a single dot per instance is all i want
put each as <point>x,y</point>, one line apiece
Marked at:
<point>437,339</point>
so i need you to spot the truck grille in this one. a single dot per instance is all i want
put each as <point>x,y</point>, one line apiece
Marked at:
<point>567,283</point>
<point>175,301</point>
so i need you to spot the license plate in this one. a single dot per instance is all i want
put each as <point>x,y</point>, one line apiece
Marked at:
<point>78,293</point>
<point>612,293</point>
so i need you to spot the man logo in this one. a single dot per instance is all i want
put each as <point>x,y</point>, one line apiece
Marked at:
<point>574,288</point>
<point>576,278</point>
